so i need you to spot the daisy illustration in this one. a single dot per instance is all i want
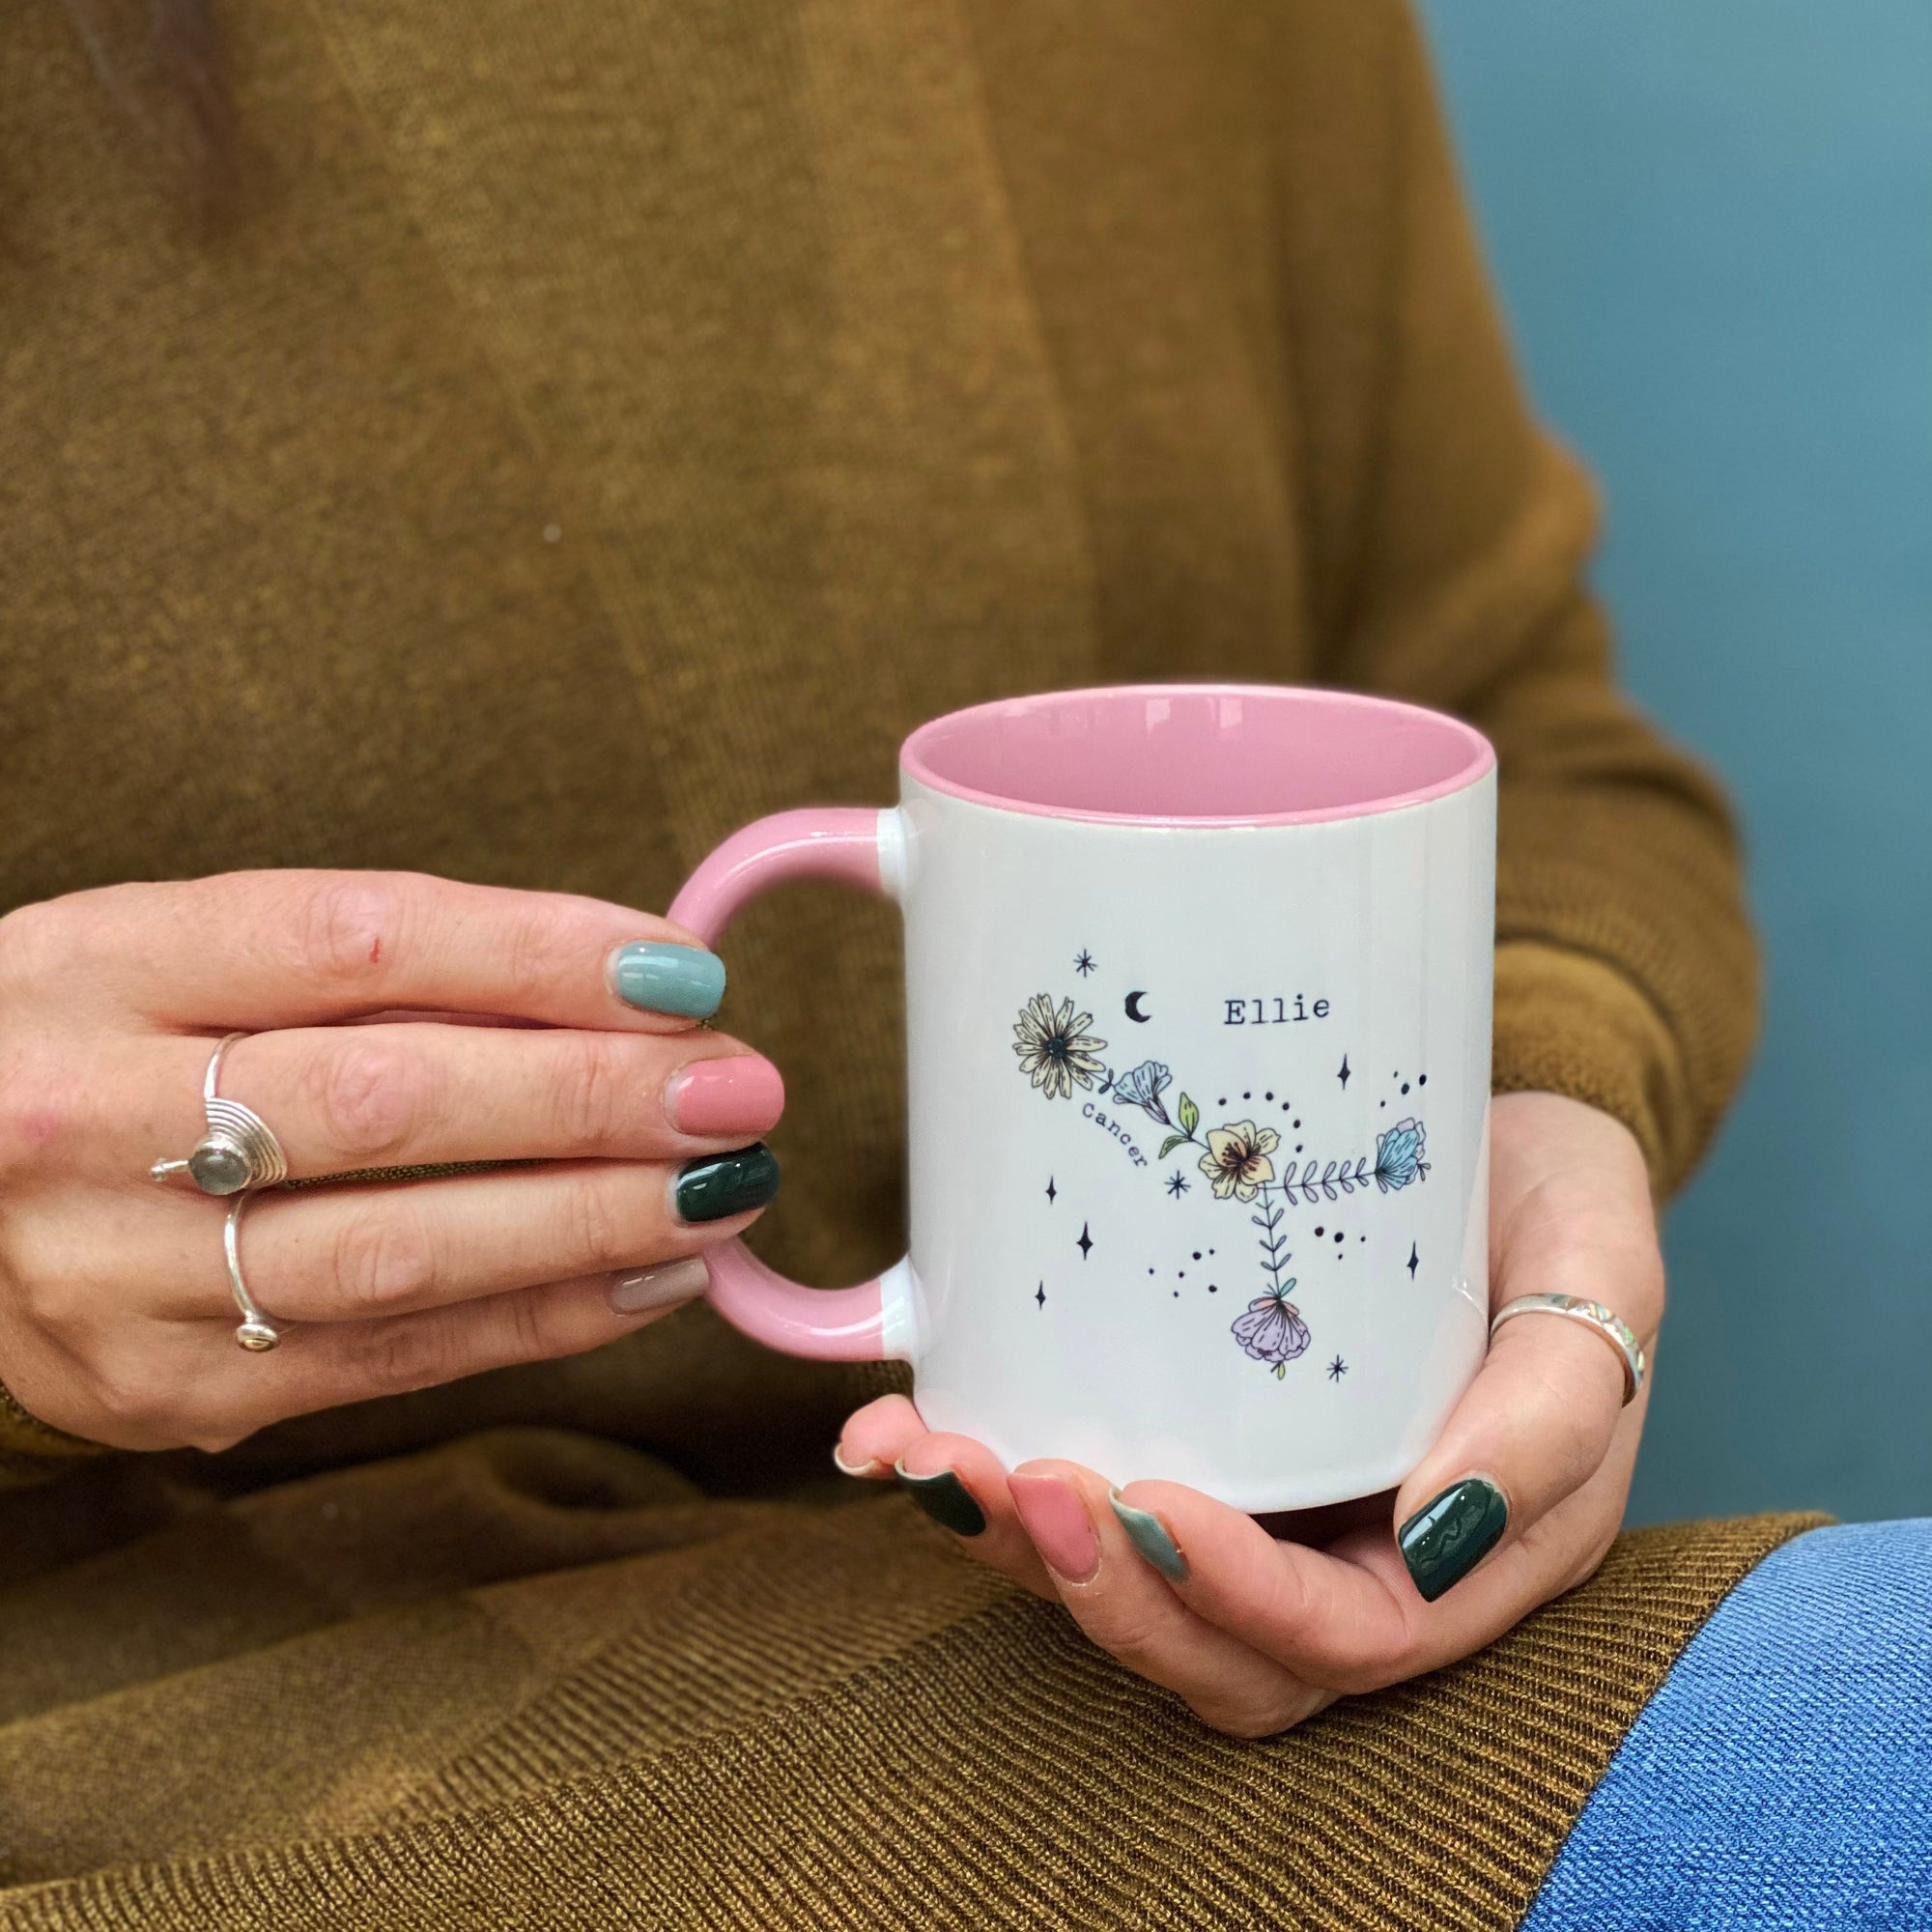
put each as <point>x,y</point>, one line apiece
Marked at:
<point>1237,1160</point>
<point>1056,1050</point>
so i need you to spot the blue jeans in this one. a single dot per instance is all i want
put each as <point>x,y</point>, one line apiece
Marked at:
<point>1782,1776</point>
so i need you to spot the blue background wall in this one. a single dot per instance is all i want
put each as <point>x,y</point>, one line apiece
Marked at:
<point>1712,221</point>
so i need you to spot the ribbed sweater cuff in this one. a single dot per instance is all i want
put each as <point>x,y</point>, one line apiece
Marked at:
<point>1569,1023</point>
<point>32,1451</point>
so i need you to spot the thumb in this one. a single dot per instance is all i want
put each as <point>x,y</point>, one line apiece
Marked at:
<point>1534,1425</point>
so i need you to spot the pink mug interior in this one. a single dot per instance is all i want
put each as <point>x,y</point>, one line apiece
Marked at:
<point>1198,754</point>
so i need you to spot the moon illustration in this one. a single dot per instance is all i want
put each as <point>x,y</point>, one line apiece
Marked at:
<point>1133,1006</point>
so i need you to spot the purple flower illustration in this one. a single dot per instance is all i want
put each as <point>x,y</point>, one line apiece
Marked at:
<point>1272,1329</point>
<point>1399,1156</point>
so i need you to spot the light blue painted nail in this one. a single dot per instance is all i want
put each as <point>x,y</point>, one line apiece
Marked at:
<point>682,979</point>
<point>1149,1535</point>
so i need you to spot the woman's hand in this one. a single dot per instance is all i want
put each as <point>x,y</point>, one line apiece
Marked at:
<point>1258,1624</point>
<point>116,1322</point>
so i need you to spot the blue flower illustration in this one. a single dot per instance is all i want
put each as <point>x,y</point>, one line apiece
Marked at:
<point>1143,1087</point>
<point>1399,1155</point>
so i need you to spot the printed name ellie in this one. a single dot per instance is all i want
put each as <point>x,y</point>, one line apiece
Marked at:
<point>1287,1012</point>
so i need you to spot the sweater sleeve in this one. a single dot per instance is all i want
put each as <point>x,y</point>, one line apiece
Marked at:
<point>33,1452</point>
<point>1626,970</point>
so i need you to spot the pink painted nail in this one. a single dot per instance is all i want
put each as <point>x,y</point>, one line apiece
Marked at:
<point>742,1093</point>
<point>660,1286</point>
<point>1057,1520</point>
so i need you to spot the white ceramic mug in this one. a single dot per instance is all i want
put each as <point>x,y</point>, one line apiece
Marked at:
<point>1198,990</point>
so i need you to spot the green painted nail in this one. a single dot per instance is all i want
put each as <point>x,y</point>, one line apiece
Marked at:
<point>662,978</point>
<point>1149,1535</point>
<point>945,1500</point>
<point>717,1185</point>
<point>1446,1538</point>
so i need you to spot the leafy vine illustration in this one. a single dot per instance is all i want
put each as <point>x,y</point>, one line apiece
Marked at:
<point>1058,1054</point>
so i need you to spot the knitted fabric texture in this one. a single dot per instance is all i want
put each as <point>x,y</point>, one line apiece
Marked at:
<point>783,1718</point>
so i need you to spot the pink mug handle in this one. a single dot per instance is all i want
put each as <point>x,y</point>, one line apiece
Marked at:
<point>873,1321</point>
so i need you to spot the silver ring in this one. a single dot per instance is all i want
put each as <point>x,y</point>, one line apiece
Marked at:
<point>257,1333</point>
<point>1595,1316</point>
<point>240,1150</point>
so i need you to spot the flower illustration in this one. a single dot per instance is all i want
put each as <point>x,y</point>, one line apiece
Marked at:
<point>1055,1048</point>
<point>1237,1160</point>
<point>1143,1087</point>
<point>1272,1329</point>
<point>1399,1155</point>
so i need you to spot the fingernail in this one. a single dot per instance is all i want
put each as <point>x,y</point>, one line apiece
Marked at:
<point>1446,1538</point>
<point>1149,1535</point>
<point>1055,1518</point>
<point>944,1498</point>
<point>717,1185</point>
<point>662,1287</point>
<point>663,978</point>
<point>742,1094</point>
<point>846,1468</point>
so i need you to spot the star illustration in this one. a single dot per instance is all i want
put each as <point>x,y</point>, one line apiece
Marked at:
<point>1051,1190</point>
<point>1337,1369</point>
<point>1343,1076</point>
<point>1086,1242</point>
<point>1414,1260</point>
<point>1039,1294</point>
<point>1084,963</point>
<point>1176,1183</point>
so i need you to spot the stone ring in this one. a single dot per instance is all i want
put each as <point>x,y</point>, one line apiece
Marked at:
<point>240,1150</point>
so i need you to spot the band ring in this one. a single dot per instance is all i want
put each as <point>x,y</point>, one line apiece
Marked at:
<point>1594,1316</point>
<point>257,1333</point>
<point>238,1150</point>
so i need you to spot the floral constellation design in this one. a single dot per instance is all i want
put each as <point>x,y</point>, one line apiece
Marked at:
<point>1057,1053</point>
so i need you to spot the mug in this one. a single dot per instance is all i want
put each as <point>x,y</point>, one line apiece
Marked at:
<point>1198,991</point>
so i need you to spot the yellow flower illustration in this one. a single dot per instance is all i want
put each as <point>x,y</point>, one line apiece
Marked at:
<point>1237,1160</point>
<point>1055,1048</point>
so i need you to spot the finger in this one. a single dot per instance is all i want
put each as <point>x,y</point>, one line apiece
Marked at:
<point>343,1098</point>
<point>1533,1426</point>
<point>1129,1607</point>
<point>144,1383</point>
<point>1327,1617</point>
<point>961,1485</point>
<point>243,951</point>
<point>1552,1555</point>
<point>330,1364</point>
<point>1350,1617</point>
<point>1531,1430</point>
<point>874,1439</point>
<point>365,1252</point>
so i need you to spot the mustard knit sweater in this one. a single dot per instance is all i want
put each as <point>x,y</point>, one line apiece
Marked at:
<point>594,426</point>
